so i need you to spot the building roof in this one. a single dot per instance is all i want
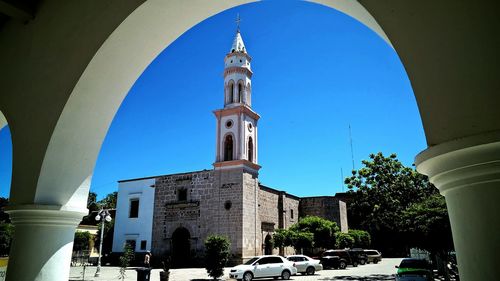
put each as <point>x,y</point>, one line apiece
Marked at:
<point>238,45</point>
<point>276,191</point>
<point>158,176</point>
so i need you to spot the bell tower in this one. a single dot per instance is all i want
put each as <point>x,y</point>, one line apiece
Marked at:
<point>237,122</point>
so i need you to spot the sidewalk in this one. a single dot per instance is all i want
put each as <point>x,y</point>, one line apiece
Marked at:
<point>112,273</point>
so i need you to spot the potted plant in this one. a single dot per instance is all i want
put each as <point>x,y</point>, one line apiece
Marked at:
<point>164,275</point>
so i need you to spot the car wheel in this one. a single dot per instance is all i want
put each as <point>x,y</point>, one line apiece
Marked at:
<point>310,270</point>
<point>248,276</point>
<point>285,275</point>
<point>342,265</point>
<point>362,262</point>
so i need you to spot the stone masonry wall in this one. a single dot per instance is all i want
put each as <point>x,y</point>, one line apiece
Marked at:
<point>170,213</point>
<point>228,221</point>
<point>327,207</point>
<point>251,222</point>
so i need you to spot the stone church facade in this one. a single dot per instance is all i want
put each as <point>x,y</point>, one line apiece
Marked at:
<point>228,199</point>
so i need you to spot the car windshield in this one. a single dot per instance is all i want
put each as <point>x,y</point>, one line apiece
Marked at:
<point>414,264</point>
<point>252,260</point>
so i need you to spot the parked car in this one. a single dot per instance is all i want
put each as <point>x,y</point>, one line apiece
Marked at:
<point>358,255</point>
<point>337,259</point>
<point>373,256</point>
<point>305,264</point>
<point>414,270</point>
<point>264,266</point>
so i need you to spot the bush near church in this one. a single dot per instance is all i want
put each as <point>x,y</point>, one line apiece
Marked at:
<point>216,255</point>
<point>362,239</point>
<point>343,240</point>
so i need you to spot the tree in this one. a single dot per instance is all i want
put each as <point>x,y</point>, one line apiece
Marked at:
<point>81,241</point>
<point>108,202</point>
<point>6,228</point>
<point>302,240</point>
<point>92,202</point>
<point>107,243</point>
<point>4,217</point>
<point>381,191</point>
<point>323,230</point>
<point>428,227</point>
<point>6,235</point>
<point>361,238</point>
<point>299,240</point>
<point>343,240</point>
<point>216,255</point>
<point>283,238</point>
<point>125,259</point>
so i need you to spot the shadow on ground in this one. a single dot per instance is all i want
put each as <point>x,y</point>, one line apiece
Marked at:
<point>373,277</point>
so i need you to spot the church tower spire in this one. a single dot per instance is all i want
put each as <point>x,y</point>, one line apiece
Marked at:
<point>237,122</point>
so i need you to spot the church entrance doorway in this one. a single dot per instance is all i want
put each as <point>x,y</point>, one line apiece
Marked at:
<point>268,245</point>
<point>181,247</point>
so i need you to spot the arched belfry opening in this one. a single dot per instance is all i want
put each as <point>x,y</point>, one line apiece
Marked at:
<point>181,247</point>
<point>228,148</point>
<point>230,92</point>
<point>250,149</point>
<point>240,92</point>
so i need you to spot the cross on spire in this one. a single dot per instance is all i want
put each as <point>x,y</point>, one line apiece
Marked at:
<point>238,20</point>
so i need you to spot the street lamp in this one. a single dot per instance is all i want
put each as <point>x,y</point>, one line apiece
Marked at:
<point>102,216</point>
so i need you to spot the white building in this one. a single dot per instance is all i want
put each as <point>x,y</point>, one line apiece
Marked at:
<point>134,215</point>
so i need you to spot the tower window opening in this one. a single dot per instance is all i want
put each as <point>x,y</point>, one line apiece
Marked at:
<point>240,92</point>
<point>250,149</point>
<point>228,148</point>
<point>230,92</point>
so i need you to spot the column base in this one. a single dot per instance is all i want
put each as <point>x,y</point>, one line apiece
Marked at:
<point>43,242</point>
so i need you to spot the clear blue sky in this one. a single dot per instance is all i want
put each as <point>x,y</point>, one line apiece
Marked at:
<point>316,71</point>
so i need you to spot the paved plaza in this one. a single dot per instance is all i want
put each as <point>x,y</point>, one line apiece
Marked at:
<point>371,272</point>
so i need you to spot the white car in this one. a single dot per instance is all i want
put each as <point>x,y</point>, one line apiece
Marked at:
<point>305,264</point>
<point>264,266</point>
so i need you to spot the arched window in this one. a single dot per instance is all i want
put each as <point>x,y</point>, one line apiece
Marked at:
<point>231,92</point>
<point>228,148</point>
<point>250,149</point>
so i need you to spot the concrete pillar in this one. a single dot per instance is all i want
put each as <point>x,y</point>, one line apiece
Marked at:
<point>43,242</point>
<point>467,173</point>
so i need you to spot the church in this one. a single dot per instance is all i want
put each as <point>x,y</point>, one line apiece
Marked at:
<point>172,215</point>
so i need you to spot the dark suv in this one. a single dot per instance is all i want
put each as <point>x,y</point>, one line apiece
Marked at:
<point>358,255</point>
<point>337,259</point>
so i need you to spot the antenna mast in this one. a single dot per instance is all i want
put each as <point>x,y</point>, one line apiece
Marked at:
<point>352,153</point>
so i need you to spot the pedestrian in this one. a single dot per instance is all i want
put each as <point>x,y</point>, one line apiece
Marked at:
<point>147,259</point>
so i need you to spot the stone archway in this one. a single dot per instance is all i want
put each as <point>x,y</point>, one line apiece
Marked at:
<point>181,247</point>
<point>268,245</point>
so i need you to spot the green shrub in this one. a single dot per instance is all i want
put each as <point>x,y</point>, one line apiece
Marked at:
<point>125,259</point>
<point>216,255</point>
<point>343,240</point>
<point>362,239</point>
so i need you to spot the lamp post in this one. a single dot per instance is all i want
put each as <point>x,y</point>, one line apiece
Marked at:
<point>102,216</point>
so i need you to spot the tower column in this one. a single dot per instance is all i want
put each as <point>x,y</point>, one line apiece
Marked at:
<point>43,244</point>
<point>467,173</point>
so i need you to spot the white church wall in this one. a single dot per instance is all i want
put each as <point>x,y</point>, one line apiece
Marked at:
<point>140,228</point>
